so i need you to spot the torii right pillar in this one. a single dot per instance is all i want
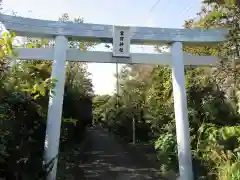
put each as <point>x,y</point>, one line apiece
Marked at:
<point>181,112</point>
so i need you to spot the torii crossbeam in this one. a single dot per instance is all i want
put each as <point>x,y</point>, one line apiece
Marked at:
<point>64,31</point>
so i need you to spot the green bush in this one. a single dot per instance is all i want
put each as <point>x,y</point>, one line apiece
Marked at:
<point>166,146</point>
<point>22,134</point>
<point>23,113</point>
<point>229,171</point>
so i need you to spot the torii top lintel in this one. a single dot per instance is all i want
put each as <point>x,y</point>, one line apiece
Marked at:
<point>140,35</point>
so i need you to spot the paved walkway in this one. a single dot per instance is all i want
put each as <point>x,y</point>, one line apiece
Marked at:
<point>106,159</point>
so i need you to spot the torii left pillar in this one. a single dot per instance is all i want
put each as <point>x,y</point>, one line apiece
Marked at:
<point>55,105</point>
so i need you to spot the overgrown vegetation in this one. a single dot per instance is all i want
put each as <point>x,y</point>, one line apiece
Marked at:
<point>213,103</point>
<point>145,96</point>
<point>23,109</point>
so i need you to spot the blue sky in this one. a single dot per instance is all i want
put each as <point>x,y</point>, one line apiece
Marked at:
<point>167,14</point>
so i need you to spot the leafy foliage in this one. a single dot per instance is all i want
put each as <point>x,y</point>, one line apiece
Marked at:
<point>145,97</point>
<point>23,108</point>
<point>212,96</point>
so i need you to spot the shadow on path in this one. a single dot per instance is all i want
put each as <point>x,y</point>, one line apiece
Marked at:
<point>105,158</point>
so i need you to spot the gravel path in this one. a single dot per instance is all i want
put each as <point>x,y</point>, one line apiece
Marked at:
<point>107,159</point>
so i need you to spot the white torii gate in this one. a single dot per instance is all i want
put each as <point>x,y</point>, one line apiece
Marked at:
<point>121,37</point>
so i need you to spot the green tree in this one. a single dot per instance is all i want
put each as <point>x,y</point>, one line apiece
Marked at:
<point>24,101</point>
